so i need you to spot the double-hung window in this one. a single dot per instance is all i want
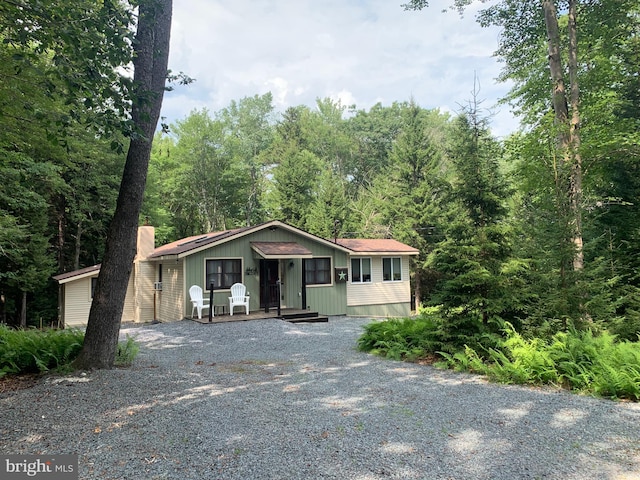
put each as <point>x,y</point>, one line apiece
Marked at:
<point>224,272</point>
<point>391,269</point>
<point>317,271</point>
<point>360,270</point>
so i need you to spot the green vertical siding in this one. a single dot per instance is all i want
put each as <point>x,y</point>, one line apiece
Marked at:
<point>330,300</point>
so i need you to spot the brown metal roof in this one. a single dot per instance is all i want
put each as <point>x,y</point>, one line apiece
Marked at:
<point>191,243</point>
<point>76,273</point>
<point>376,245</point>
<point>280,250</point>
<point>265,249</point>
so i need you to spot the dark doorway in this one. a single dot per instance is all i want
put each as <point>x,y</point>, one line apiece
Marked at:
<point>268,283</point>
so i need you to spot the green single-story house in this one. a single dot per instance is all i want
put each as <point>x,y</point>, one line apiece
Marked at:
<point>355,277</point>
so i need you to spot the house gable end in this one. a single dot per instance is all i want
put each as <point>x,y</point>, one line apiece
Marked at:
<point>193,245</point>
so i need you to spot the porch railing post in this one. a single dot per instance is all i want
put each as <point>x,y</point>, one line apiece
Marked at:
<point>279,296</point>
<point>211,302</point>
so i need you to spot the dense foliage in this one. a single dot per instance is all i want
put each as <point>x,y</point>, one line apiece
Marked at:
<point>39,351</point>
<point>580,361</point>
<point>540,230</point>
<point>530,269</point>
<point>32,351</point>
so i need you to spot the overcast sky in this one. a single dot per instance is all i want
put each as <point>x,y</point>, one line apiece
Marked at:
<point>359,51</point>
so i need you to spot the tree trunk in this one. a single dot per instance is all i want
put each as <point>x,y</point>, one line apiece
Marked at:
<point>23,310</point>
<point>78,246</point>
<point>60,245</point>
<point>570,162</point>
<point>3,308</point>
<point>151,51</point>
<point>417,285</point>
<point>575,193</point>
<point>558,96</point>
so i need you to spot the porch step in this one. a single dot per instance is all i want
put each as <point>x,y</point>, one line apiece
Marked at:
<point>304,317</point>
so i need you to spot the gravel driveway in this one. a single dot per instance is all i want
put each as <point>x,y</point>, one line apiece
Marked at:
<point>270,400</point>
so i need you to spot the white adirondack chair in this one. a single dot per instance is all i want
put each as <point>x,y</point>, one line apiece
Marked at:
<point>238,297</point>
<point>197,302</point>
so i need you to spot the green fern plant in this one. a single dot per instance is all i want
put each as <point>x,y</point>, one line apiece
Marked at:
<point>32,351</point>
<point>126,352</point>
<point>583,361</point>
<point>399,339</point>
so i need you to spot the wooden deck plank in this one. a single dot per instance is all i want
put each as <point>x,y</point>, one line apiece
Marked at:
<point>243,317</point>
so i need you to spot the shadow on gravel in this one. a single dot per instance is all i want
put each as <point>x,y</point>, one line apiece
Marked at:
<point>279,401</point>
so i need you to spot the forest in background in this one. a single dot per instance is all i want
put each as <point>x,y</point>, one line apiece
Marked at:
<point>495,221</point>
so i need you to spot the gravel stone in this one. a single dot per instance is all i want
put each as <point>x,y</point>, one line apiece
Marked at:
<point>267,399</point>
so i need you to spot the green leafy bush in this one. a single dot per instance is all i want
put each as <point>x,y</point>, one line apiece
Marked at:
<point>415,338</point>
<point>522,361</point>
<point>581,361</point>
<point>599,364</point>
<point>32,351</point>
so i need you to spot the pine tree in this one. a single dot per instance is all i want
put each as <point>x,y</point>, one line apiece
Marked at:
<point>410,194</point>
<point>472,292</point>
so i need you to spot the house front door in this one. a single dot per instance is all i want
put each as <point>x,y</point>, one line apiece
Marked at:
<point>269,283</point>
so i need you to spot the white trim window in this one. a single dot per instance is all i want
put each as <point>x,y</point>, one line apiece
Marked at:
<point>392,269</point>
<point>361,270</point>
<point>317,271</point>
<point>223,272</point>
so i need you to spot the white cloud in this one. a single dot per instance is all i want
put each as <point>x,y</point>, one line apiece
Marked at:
<point>344,97</point>
<point>357,51</point>
<point>279,88</point>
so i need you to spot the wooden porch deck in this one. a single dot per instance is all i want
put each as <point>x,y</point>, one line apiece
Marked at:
<point>243,317</point>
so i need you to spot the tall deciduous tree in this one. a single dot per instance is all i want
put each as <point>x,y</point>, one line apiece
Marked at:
<point>60,91</point>
<point>579,60</point>
<point>161,181</point>
<point>248,128</point>
<point>30,178</point>
<point>81,210</point>
<point>207,193</point>
<point>566,106</point>
<point>85,42</point>
<point>571,65</point>
<point>151,46</point>
<point>326,136</point>
<point>374,133</point>
<point>25,261</point>
<point>524,26</point>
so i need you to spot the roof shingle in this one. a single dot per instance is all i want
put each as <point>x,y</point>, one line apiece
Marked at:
<point>376,245</point>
